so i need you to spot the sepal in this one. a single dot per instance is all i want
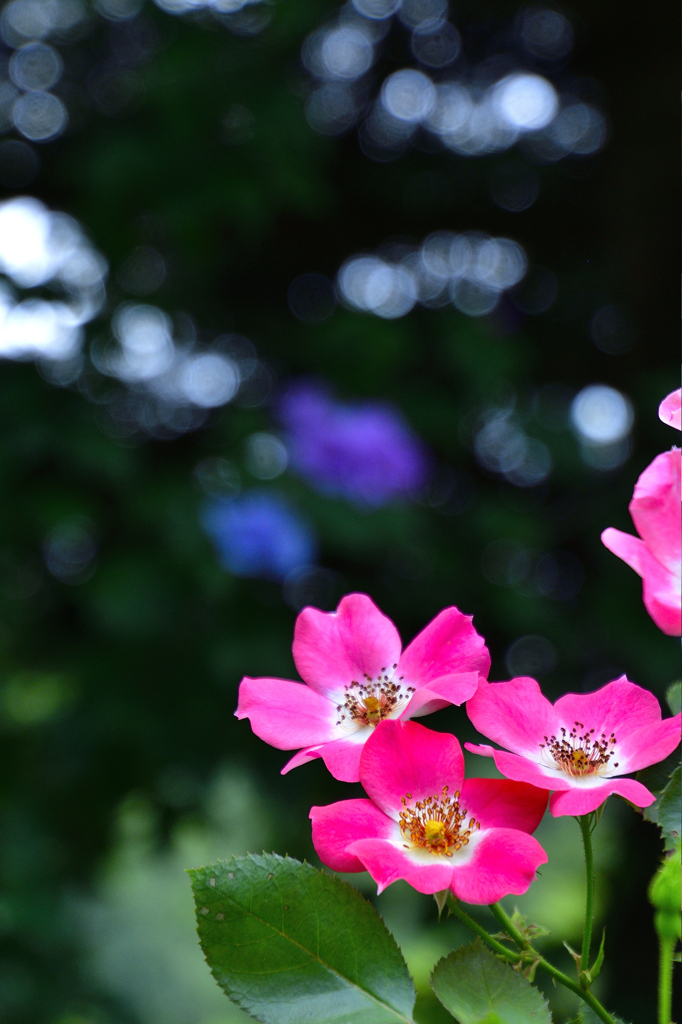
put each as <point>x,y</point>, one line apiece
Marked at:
<point>441,899</point>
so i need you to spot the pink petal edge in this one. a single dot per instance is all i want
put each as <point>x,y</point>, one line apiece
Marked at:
<point>505,863</point>
<point>333,649</point>
<point>514,714</point>
<point>650,744</point>
<point>502,803</point>
<point>341,757</point>
<point>448,645</point>
<point>656,508</point>
<point>337,825</point>
<point>582,801</point>
<point>522,769</point>
<point>440,693</point>
<point>619,707</point>
<point>404,757</point>
<point>286,714</point>
<point>387,863</point>
<point>669,410</point>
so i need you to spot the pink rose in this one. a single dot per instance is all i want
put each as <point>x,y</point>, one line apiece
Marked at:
<point>427,824</point>
<point>657,515</point>
<point>580,746</point>
<point>355,677</point>
<point>669,409</point>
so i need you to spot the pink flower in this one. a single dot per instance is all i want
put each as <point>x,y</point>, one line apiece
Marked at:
<point>428,825</point>
<point>577,747</point>
<point>657,515</point>
<point>356,677</point>
<point>669,409</point>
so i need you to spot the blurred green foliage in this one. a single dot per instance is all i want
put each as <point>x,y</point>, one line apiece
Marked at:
<point>122,761</point>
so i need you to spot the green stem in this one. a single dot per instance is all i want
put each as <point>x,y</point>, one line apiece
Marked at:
<point>665,981</point>
<point>508,954</point>
<point>585,822</point>
<point>528,954</point>
<point>510,929</point>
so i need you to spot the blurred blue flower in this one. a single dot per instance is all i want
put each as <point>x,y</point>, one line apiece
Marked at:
<point>364,451</point>
<point>259,534</point>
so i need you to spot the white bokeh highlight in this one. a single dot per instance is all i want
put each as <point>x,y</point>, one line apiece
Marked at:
<point>469,271</point>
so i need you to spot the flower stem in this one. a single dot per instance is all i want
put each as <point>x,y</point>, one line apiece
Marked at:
<point>456,909</point>
<point>528,954</point>
<point>585,822</point>
<point>665,981</point>
<point>510,929</point>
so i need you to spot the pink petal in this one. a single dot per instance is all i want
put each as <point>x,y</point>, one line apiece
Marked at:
<point>669,410</point>
<point>404,757</point>
<point>338,825</point>
<point>342,758</point>
<point>333,649</point>
<point>656,510</point>
<point>661,588</point>
<point>618,707</point>
<point>624,545</point>
<point>302,757</point>
<point>577,801</point>
<point>439,693</point>
<point>649,744</point>
<point>387,863</point>
<point>513,714</point>
<point>522,769</point>
<point>285,714</point>
<point>661,593</point>
<point>505,862</point>
<point>499,803</point>
<point>449,645</point>
<point>484,749</point>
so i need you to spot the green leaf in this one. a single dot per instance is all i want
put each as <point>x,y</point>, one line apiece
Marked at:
<point>663,780</point>
<point>674,697</point>
<point>477,988</point>
<point>597,965</point>
<point>656,778</point>
<point>669,809</point>
<point>666,811</point>
<point>528,930</point>
<point>293,945</point>
<point>588,1016</point>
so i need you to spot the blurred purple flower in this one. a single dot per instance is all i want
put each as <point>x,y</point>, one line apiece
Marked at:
<point>364,451</point>
<point>259,534</point>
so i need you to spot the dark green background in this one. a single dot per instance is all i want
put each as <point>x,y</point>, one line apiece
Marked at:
<point>140,665</point>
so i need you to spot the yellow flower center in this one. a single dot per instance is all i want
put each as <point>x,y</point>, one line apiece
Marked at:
<point>579,752</point>
<point>434,831</point>
<point>437,823</point>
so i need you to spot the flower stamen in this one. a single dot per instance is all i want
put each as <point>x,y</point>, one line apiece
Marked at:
<point>579,753</point>
<point>371,701</point>
<point>437,823</point>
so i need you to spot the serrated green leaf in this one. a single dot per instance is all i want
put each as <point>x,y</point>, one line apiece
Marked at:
<point>588,1016</point>
<point>293,945</point>
<point>656,778</point>
<point>673,696</point>
<point>669,810</point>
<point>665,812</point>
<point>477,988</point>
